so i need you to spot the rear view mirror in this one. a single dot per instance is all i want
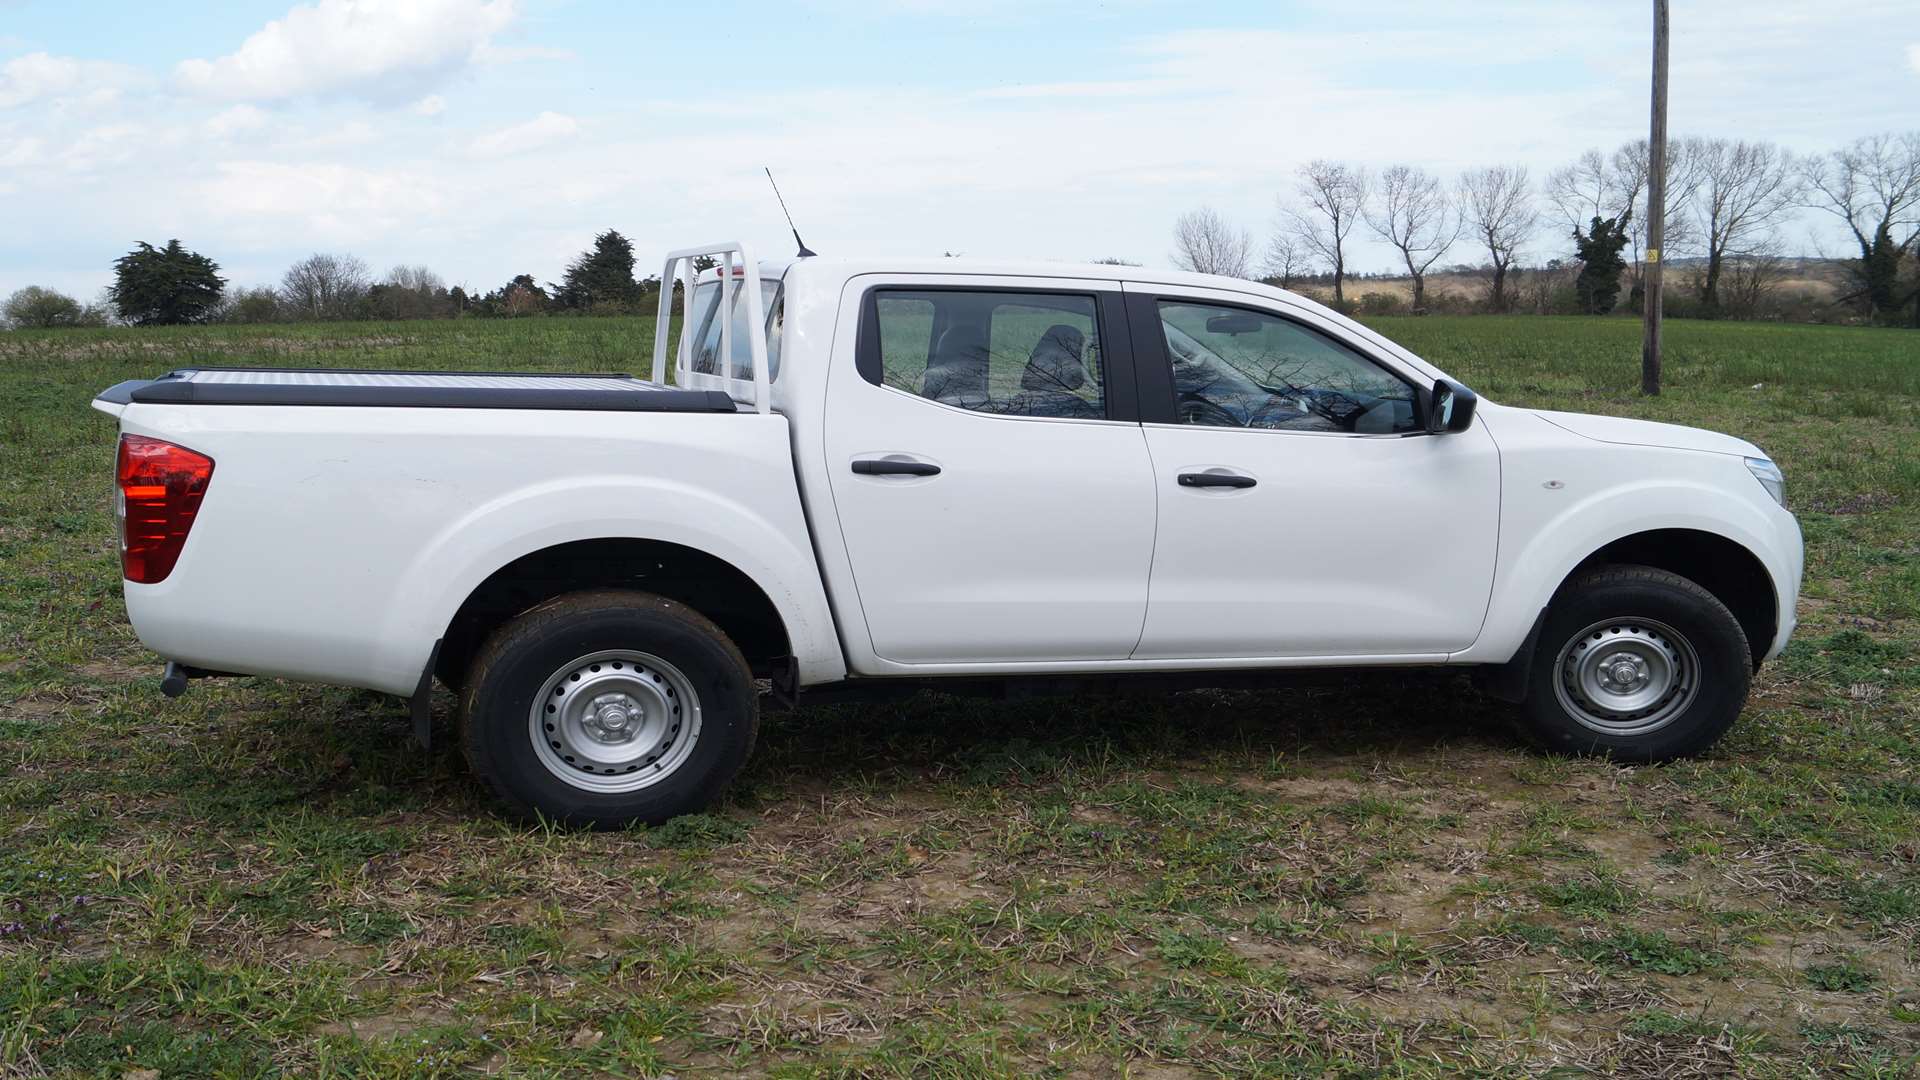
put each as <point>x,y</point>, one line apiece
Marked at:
<point>1234,324</point>
<point>1450,407</point>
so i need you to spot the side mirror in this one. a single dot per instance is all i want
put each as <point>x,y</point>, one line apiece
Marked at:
<point>1450,407</point>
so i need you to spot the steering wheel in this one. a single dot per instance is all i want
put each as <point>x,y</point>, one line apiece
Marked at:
<point>1200,411</point>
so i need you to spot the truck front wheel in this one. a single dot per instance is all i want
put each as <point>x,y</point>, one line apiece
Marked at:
<point>609,707</point>
<point>1638,664</point>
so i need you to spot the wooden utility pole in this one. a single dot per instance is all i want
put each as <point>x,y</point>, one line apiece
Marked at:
<point>1656,205</point>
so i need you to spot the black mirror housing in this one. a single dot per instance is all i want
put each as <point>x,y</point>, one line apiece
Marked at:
<point>1450,407</point>
<point>1235,324</point>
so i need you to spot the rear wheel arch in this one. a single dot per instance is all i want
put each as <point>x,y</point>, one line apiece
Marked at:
<point>708,584</point>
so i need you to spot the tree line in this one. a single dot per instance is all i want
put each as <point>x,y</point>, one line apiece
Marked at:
<point>1728,202</point>
<point>172,285</point>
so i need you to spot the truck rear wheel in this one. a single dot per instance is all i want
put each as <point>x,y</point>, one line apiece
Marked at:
<point>606,708</point>
<point>1638,664</point>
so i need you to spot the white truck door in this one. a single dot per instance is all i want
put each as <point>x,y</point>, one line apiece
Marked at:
<point>1303,510</point>
<point>993,490</point>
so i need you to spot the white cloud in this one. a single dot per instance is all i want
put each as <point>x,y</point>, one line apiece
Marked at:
<point>237,120</point>
<point>1116,89</point>
<point>1092,153</point>
<point>370,49</point>
<point>325,202</point>
<point>19,153</point>
<point>1913,57</point>
<point>351,133</point>
<point>542,130</point>
<point>490,53</point>
<point>108,145</point>
<point>39,75</point>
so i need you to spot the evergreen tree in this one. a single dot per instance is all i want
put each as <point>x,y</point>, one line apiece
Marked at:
<point>1879,271</point>
<point>165,286</point>
<point>602,277</point>
<point>1598,285</point>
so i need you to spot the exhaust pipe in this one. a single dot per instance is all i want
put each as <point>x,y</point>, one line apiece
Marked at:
<point>174,682</point>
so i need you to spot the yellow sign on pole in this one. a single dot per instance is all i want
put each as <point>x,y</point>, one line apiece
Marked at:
<point>1653,255</point>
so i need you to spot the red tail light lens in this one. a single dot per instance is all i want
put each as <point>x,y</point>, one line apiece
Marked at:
<point>160,490</point>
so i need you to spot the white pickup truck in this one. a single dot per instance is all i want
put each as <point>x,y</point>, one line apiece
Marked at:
<point>870,474</point>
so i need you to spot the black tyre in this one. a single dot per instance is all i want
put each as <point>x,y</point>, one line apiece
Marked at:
<point>606,708</point>
<point>1638,664</point>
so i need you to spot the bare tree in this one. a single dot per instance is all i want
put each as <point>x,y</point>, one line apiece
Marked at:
<point>1607,186</point>
<point>1597,185</point>
<point>35,308</point>
<point>1206,243</point>
<point>415,279</point>
<point>1415,214</point>
<point>1286,258</point>
<point>323,286</point>
<point>1743,190</point>
<point>1500,212</point>
<point>1752,279</point>
<point>1335,194</point>
<point>410,292</point>
<point>1874,186</point>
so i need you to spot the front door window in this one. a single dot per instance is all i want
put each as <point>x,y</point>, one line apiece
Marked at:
<point>1238,368</point>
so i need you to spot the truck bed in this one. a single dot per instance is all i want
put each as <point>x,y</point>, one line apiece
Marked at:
<point>413,389</point>
<point>337,544</point>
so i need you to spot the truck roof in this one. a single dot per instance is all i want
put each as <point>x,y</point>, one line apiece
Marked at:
<point>852,265</point>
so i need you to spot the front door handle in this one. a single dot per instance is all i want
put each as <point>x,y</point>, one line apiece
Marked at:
<point>1214,479</point>
<point>889,467</point>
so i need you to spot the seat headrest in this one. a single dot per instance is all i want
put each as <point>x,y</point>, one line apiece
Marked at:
<point>1055,363</point>
<point>958,366</point>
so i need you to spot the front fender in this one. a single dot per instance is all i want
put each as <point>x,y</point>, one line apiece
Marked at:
<point>1542,542</point>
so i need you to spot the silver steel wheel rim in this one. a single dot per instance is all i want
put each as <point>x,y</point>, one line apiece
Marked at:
<point>1626,677</point>
<point>615,721</point>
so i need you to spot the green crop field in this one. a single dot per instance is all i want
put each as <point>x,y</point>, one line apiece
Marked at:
<point>1371,878</point>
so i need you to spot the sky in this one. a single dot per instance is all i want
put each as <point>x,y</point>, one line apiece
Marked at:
<point>488,138</point>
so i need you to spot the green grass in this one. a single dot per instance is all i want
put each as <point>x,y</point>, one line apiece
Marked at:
<point>1372,878</point>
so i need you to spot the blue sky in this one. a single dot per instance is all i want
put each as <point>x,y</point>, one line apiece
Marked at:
<point>485,138</point>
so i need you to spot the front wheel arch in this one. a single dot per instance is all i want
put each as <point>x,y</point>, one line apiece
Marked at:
<point>1733,574</point>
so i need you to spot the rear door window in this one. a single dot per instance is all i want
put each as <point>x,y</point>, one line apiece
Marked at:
<point>1008,353</point>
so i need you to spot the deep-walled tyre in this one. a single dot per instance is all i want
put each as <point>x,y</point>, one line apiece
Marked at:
<point>607,708</point>
<point>1637,664</point>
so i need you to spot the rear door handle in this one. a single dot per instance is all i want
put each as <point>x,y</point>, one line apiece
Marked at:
<point>889,467</point>
<point>1214,479</point>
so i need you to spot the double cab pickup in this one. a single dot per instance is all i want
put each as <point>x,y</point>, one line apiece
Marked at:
<point>861,474</point>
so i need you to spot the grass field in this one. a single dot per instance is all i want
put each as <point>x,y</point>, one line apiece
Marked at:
<point>264,878</point>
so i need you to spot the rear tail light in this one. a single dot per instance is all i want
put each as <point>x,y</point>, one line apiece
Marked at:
<point>160,490</point>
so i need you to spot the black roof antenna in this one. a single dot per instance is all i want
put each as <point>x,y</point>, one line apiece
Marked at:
<point>804,253</point>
